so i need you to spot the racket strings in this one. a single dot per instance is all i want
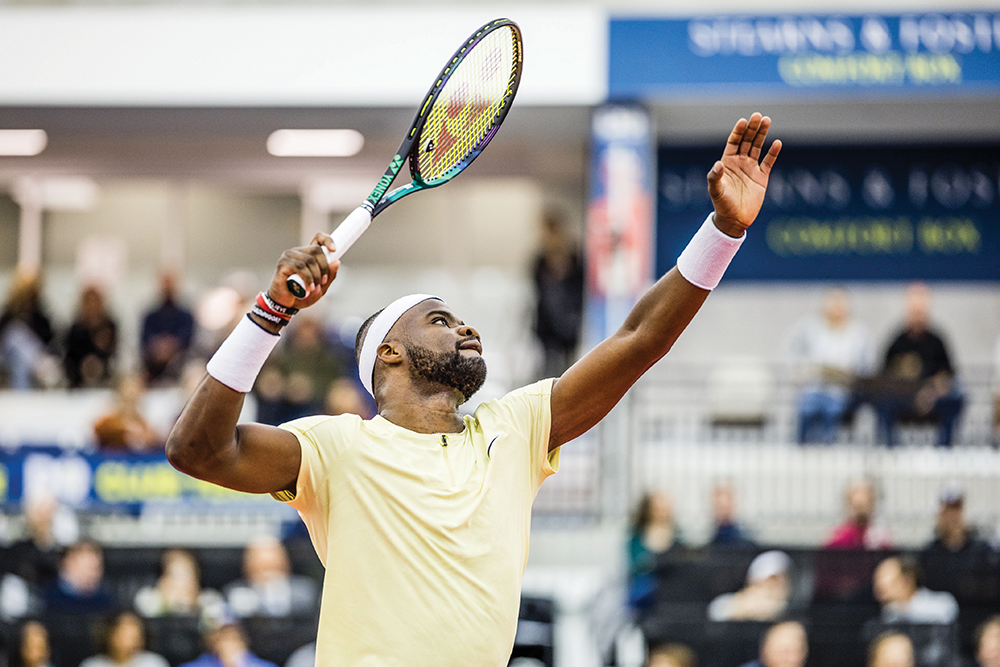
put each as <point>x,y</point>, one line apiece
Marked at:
<point>464,115</point>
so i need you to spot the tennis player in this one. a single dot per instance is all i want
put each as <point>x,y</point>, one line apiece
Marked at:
<point>421,516</point>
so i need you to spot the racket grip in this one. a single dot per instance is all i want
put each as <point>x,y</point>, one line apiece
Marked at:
<point>344,236</point>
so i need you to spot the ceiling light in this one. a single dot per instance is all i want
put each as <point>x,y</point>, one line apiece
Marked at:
<point>315,143</point>
<point>23,142</point>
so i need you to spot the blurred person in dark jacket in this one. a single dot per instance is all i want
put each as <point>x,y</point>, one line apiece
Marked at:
<point>917,361</point>
<point>958,558</point>
<point>728,531</point>
<point>91,342</point>
<point>167,333</point>
<point>26,336</point>
<point>784,645</point>
<point>559,281</point>
<point>80,587</point>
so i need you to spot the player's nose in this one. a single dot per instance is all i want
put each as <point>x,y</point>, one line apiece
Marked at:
<point>465,331</point>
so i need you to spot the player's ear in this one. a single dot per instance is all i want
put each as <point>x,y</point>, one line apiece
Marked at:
<point>390,353</point>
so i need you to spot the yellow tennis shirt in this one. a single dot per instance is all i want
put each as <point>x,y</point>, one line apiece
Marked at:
<point>424,537</point>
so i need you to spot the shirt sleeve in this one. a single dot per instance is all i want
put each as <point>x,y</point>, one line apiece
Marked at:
<point>322,441</point>
<point>528,410</point>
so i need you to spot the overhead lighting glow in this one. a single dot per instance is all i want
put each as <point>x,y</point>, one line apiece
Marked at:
<point>315,143</point>
<point>22,142</point>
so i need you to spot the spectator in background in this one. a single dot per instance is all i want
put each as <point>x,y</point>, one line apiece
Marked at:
<point>897,589</point>
<point>784,645</point>
<point>32,648</point>
<point>860,530</point>
<point>303,656</point>
<point>344,397</point>
<point>917,361</point>
<point>26,336</point>
<point>766,593</point>
<point>178,590</point>
<point>268,587</point>
<point>123,644</point>
<point>296,384</point>
<point>728,532</point>
<point>80,588</point>
<point>559,282</point>
<point>124,428</point>
<point>226,643</point>
<point>50,527</point>
<point>831,352</point>
<point>672,655</point>
<point>891,649</point>
<point>167,333</point>
<point>653,533</point>
<point>988,643</point>
<point>91,342</point>
<point>958,558</point>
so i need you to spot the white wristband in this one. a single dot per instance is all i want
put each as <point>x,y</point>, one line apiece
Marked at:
<point>241,356</point>
<point>706,257</point>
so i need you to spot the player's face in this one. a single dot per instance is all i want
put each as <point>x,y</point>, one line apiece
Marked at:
<point>442,349</point>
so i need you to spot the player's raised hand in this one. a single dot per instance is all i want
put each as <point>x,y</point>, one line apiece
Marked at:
<point>310,264</point>
<point>738,181</point>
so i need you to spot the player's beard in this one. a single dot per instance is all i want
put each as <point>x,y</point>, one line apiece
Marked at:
<point>464,373</point>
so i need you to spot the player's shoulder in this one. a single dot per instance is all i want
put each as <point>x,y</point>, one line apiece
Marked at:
<point>320,427</point>
<point>517,400</point>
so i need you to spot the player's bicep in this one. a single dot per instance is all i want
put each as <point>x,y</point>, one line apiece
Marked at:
<point>266,460</point>
<point>588,390</point>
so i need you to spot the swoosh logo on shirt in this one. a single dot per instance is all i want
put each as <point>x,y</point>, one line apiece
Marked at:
<point>491,444</point>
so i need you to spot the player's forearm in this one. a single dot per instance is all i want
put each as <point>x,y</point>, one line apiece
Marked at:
<point>203,441</point>
<point>660,316</point>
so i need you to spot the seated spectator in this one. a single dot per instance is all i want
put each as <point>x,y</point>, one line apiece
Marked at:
<point>308,366</point>
<point>344,397</point>
<point>26,336</point>
<point>831,352</point>
<point>860,530</point>
<point>559,278</point>
<point>728,532</point>
<point>178,590</point>
<point>765,595</point>
<point>653,533</point>
<point>784,645</point>
<point>123,644</point>
<point>918,376</point>
<point>32,648</point>
<point>167,333</point>
<point>79,588</point>
<point>891,649</point>
<point>957,560</point>
<point>988,643</point>
<point>226,643</point>
<point>50,527</point>
<point>124,428</point>
<point>903,600</point>
<point>268,587</point>
<point>671,655</point>
<point>91,342</point>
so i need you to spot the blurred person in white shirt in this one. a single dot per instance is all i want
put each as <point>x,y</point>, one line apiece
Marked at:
<point>897,588</point>
<point>829,351</point>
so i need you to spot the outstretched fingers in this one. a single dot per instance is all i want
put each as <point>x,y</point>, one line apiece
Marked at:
<point>753,126</point>
<point>758,141</point>
<point>771,156</point>
<point>735,138</point>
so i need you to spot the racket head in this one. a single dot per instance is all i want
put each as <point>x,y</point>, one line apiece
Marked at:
<point>468,102</point>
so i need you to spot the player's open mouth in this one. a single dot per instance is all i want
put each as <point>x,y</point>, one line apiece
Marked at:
<point>471,345</point>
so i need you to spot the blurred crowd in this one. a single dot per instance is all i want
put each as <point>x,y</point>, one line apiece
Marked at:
<point>53,580</point>
<point>313,371</point>
<point>917,611</point>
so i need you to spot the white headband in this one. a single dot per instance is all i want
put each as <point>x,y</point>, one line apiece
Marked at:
<point>379,330</point>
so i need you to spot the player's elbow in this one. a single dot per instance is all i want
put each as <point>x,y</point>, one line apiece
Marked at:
<point>184,454</point>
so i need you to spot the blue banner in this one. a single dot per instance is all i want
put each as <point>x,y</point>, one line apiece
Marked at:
<point>100,480</point>
<point>872,54</point>
<point>844,213</point>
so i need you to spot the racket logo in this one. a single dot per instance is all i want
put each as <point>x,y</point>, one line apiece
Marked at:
<point>387,179</point>
<point>430,146</point>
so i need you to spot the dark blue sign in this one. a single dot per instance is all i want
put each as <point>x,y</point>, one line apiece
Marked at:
<point>916,53</point>
<point>844,213</point>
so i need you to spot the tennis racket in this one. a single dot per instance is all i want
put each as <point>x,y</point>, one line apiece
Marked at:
<point>459,115</point>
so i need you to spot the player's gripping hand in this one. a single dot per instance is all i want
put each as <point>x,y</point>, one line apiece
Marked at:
<point>737,182</point>
<point>310,264</point>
